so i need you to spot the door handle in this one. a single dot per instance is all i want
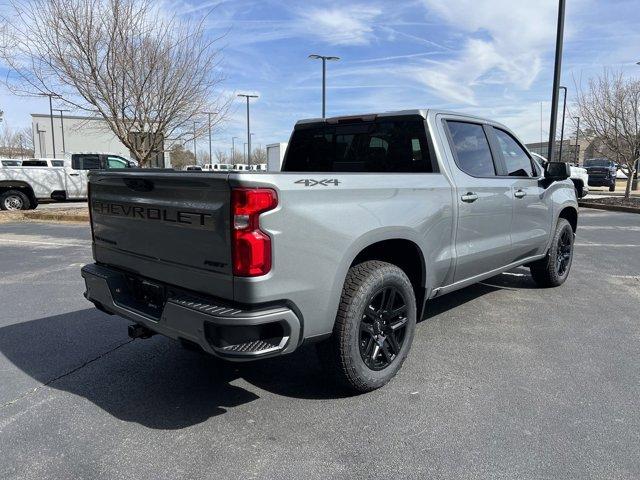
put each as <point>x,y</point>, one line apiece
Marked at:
<point>74,174</point>
<point>469,197</point>
<point>520,194</point>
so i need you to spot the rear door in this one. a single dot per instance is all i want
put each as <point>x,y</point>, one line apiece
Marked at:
<point>483,238</point>
<point>532,217</point>
<point>168,226</point>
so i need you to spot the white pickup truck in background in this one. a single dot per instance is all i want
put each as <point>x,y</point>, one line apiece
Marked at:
<point>22,187</point>
<point>579,176</point>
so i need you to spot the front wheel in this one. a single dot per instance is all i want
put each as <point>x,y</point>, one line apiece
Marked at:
<point>612,187</point>
<point>374,326</point>
<point>553,270</point>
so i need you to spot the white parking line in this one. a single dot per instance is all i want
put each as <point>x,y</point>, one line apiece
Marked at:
<point>608,245</point>
<point>42,242</point>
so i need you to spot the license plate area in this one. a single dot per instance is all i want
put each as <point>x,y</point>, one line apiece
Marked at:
<point>142,295</point>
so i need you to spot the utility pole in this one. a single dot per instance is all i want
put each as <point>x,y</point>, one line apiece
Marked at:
<point>210,151</point>
<point>64,150</point>
<point>53,137</point>
<point>556,79</point>
<point>324,59</point>
<point>195,152</point>
<point>233,148</point>
<point>577,140</point>
<point>564,112</point>
<point>247,96</point>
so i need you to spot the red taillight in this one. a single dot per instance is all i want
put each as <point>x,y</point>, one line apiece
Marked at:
<point>251,246</point>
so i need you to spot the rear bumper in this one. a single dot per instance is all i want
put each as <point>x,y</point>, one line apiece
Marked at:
<point>222,329</point>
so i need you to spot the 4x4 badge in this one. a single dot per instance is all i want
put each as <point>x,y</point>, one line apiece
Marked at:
<point>325,182</point>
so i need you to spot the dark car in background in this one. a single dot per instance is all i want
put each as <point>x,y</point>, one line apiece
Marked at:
<point>602,172</point>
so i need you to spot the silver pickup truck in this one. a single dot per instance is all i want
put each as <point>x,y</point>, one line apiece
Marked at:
<point>370,218</point>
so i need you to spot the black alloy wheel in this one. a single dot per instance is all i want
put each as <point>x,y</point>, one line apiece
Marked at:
<point>382,328</point>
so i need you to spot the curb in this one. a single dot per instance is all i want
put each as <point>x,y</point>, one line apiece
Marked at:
<point>49,216</point>
<point>613,208</point>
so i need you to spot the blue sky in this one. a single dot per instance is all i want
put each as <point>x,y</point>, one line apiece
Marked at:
<point>489,57</point>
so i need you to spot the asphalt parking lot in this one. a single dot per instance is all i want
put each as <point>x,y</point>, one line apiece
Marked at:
<point>504,381</point>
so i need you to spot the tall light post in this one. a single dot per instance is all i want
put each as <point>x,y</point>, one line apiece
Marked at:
<point>64,149</point>
<point>210,152</point>
<point>195,152</point>
<point>233,148</point>
<point>324,59</point>
<point>577,119</point>
<point>248,96</point>
<point>556,79</point>
<point>53,137</point>
<point>564,112</point>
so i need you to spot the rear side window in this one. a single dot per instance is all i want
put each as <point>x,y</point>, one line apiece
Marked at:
<point>34,163</point>
<point>516,160</point>
<point>57,163</point>
<point>85,162</point>
<point>373,146</point>
<point>471,147</point>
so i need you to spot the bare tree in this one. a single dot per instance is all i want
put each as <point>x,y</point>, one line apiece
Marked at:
<point>610,107</point>
<point>148,75</point>
<point>221,156</point>
<point>259,155</point>
<point>180,157</point>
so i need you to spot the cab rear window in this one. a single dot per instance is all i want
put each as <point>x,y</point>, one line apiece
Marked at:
<point>367,146</point>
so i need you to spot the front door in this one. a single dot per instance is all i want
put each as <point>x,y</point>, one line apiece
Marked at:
<point>483,240</point>
<point>532,217</point>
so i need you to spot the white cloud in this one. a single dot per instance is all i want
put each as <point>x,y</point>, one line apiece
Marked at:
<point>504,43</point>
<point>342,24</point>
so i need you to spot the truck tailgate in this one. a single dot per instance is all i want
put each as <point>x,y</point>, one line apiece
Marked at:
<point>168,226</point>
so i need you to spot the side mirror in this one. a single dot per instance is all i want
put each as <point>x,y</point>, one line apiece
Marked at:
<point>557,171</point>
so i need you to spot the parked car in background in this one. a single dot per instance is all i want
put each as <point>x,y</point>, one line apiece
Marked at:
<point>579,176</point>
<point>258,167</point>
<point>602,172</point>
<point>241,167</point>
<point>217,167</point>
<point>22,187</point>
<point>192,168</point>
<point>370,217</point>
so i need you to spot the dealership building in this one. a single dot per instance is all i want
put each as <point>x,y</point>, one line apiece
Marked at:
<point>72,133</point>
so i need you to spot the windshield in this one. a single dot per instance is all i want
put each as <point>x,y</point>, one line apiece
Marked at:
<point>597,162</point>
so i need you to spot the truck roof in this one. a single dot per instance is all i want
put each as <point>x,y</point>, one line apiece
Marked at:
<point>422,112</point>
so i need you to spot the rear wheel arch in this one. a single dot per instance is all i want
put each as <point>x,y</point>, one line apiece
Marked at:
<point>403,253</point>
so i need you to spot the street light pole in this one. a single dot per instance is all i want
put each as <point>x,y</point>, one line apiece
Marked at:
<point>247,96</point>
<point>195,152</point>
<point>564,112</point>
<point>324,59</point>
<point>64,149</point>
<point>577,140</point>
<point>210,152</point>
<point>53,137</point>
<point>556,79</point>
<point>233,149</point>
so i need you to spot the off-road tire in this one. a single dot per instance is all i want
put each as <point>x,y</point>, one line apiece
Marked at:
<point>341,353</point>
<point>545,271</point>
<point>11,199</point>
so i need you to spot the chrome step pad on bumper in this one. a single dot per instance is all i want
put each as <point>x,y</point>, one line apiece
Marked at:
<point>223,330</point>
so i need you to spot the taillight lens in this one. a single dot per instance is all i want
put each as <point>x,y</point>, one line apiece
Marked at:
<point>251,247</point>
